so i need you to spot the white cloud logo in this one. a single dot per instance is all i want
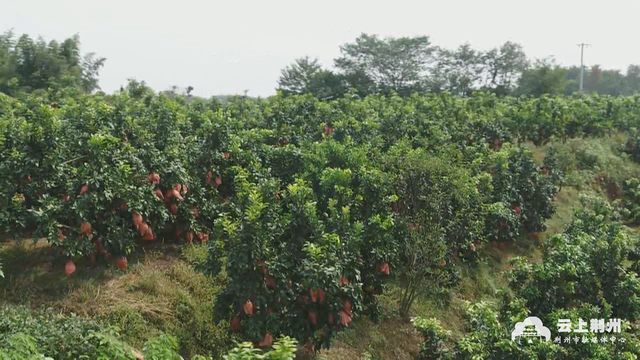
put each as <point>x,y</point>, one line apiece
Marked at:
<point>531,329</point>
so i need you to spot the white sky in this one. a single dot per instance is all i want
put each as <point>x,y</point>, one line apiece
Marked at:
<point>225,47</point>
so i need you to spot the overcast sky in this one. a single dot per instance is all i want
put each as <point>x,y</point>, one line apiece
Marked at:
<point>225,47</point>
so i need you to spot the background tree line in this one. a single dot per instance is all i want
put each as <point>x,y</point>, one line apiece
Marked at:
<point>370,64</point>
<point>28,65</point>
<point>405,65</point>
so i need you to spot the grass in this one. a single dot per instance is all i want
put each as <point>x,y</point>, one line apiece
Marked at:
<point>395,338</point>
<point>566,203</point>
<point>160,292</point>
<point>391,339</point>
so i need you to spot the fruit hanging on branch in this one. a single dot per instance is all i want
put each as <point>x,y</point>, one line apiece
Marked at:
<point>235,324</point>
<point>137,219</point>
<point>121,263</point>
<point>159,194</point>
<point>154,178</point>
<point>271,284</point>
<point>248,308</point>
<point>172,193</point>
<point>69,268</point>
<point>345,319</point>
<point>347,307</point>
<point>267,341</point>
<point>85,229</point>
<point>148,236</point>
<point>143,228</point>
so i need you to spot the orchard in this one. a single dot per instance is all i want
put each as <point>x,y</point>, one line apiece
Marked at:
<point>307,206</point>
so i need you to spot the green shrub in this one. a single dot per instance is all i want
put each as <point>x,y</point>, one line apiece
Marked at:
<point>20,347</point>
<point>134,328</point>
<point>631,200</point>
<point>57,336</point>
<point>27,335</point>
<point>587,272</point>
<point>283,349</point>
<point>328,235</point>
<point>632,147</point>
<point>488,336</point>
<point>436,339</point>
<point>587,264</point>
<point>163,347</point>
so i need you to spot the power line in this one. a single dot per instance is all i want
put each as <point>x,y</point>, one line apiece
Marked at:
<point>582,46</point>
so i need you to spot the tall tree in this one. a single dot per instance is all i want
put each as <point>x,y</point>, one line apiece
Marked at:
<point>90,71</point>
<point>504,65</point>
<point>28,65</point>
<point>545,77</point>
<point>458,72</point>
<point>572,75</point>
<point>306,76</point>
<point>297,77</point>
<point>7,62</point>
<point>604,81</point>
<point>632,80</point>
<point>392,64</point>
<point>594,77</point>
<point>327,85</point>
<point>612,83</point>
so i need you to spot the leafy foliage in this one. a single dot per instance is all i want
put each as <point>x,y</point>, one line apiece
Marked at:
<point>436,337</point>
<point>27,335</point>
<point>309,206</point>
<point>57,336</point>
<point>297,197</point>
<point>283,349</point>
<point>163,347</point>
<point>587,272</point>
<point>633,146</point>
<point>632,200</point>
<point>406,65</point>
<point>584,265</point>
<point>20,347</point>
<point>393,64</point>
<point>27,65</point>
<point>545,77</point>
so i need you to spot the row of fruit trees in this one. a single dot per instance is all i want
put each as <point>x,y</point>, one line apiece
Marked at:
<point>306,205</point>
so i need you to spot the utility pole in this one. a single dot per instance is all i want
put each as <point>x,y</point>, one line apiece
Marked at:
<point>582,46</point>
